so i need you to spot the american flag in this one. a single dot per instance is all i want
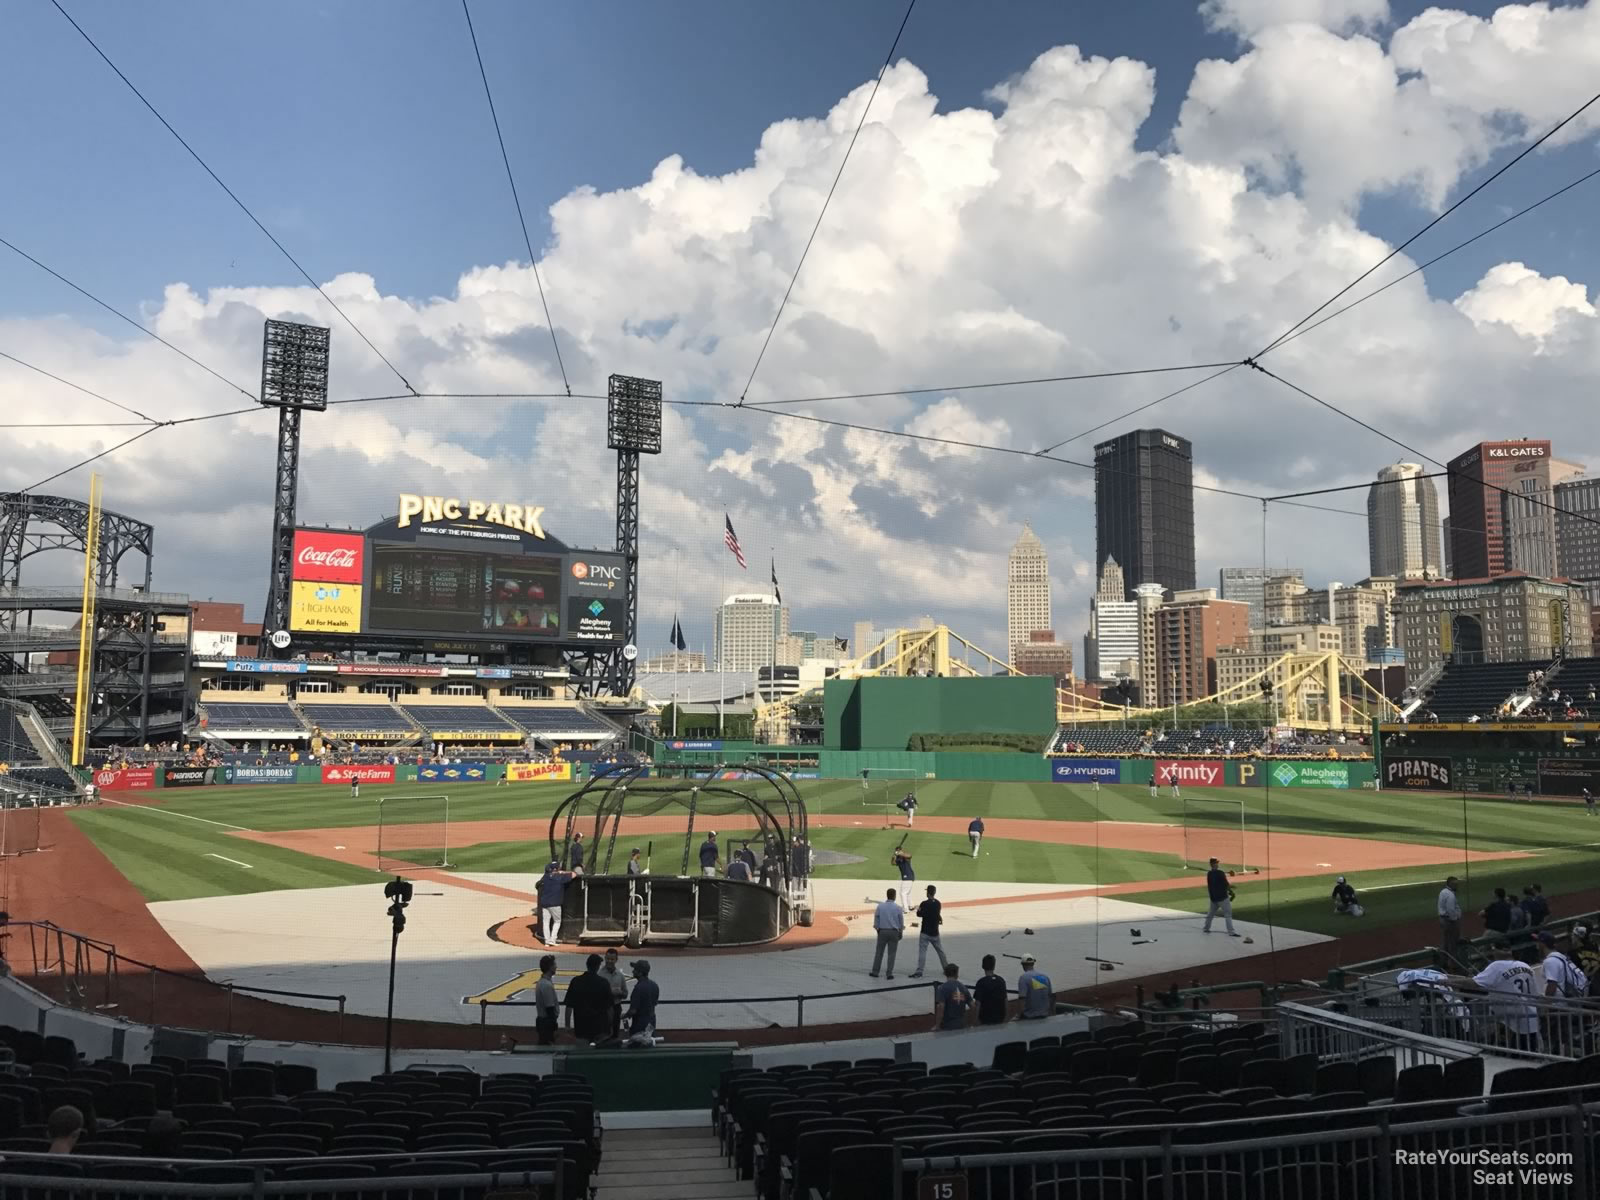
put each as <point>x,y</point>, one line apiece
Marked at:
<point>731,539</point>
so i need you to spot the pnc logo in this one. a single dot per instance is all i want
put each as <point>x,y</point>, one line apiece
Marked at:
<point>608,575</point>
<point>580,570</point>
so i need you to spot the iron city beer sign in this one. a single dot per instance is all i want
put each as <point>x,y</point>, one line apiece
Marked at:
<point>447,508</point>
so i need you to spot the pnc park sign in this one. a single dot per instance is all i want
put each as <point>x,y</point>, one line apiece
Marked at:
<point>447,508</point>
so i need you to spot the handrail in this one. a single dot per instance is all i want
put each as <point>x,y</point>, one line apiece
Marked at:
<point>116,960</point>
<point>798,1000</point>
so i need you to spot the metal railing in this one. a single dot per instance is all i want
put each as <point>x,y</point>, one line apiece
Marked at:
<point>39,1175</point>
<point>1538,1027</point>
<point>118,595</point>
<point>799,1002</point>
<point>89,974</point>
<point>1399,1152</point>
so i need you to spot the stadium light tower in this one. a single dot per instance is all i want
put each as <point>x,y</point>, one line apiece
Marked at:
<point>633,427</point>
<point>294,379</point>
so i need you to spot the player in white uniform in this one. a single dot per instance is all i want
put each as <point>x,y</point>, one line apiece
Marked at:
<point>88,793</point>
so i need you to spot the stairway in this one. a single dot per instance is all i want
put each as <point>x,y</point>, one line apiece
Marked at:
<point>666,1164</point>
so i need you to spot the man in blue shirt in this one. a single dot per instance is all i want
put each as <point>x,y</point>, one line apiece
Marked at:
<point>953,1000</point>
<point>552,889</point>
<point>738,869</point>
<point>575,855</point>
<point>1221,896</point>
<point>709,854</point>
<point>1035,991</point>
<point>642,1006</point>
<point>975,833</point>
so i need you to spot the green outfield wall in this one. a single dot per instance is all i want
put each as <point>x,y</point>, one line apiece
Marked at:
<point>883,713</point>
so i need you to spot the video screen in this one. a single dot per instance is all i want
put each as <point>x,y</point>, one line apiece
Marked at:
<point>441,591</point>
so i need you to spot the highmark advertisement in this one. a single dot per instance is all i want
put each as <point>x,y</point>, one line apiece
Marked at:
<point>1297,774</point>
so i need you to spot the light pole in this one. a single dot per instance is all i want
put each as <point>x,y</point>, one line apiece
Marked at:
<point>398,894</point>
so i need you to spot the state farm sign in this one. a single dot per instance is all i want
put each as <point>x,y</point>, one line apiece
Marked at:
<point>375,773</point>
<point>328,557</point>
<point>1189,772</point>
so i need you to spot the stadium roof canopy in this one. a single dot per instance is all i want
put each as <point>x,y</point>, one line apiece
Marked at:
<point>689,687</point>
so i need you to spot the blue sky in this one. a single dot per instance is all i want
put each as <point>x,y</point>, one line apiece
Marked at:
<point>358,131</point>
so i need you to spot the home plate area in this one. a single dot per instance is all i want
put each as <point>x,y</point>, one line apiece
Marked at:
<point>457,949</point>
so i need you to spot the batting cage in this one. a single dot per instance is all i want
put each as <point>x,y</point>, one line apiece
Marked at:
<point>724,856</point>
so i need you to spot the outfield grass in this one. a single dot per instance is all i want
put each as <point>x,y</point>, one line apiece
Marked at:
<point>178,847</point>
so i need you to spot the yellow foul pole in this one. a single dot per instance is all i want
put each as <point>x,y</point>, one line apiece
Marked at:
<point>91,557</point>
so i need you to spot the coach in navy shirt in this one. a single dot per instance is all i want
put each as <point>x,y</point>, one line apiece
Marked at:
<point>708,854</point>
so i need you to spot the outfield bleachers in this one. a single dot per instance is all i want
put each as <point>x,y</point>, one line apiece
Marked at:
<point>1080,740</point>
<point>459,718</point>
<point>1479,689</point>
<point>376,720</point>
<point>1209,740</point>
<point>15,745</point>
<point>558,722</point>
<point>227,716</point>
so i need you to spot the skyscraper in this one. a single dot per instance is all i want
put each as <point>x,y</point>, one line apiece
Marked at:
<point>1249,584</point>
<point>1027,591</point>
<point>1482,480</point>
<point>1403,524</point>
<point>749,629</point>
<point>1113,628</point>
<point>1144,508</point>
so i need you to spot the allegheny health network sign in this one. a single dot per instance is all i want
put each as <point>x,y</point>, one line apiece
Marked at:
<point>1307,774</point>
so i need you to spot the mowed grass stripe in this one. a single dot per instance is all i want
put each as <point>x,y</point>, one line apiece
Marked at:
<point>169,860</point>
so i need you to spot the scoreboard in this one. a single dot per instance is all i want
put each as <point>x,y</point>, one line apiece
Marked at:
<point>463,577</point>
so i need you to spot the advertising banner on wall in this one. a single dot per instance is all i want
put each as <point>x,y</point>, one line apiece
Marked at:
<point>1568,776</point>
<point>134,779</point>
<point>185,776</point>
<point>327,557</point>
<point>363,772</point>
<point>1189,772</point>
<point>692,745</point>
<point>1302,774</point>
<point>1418,772</point>
<point>387,669</point>
<point>524,772</point>
<point>324,607</point>
<point>451,773</point>
<point>211,643</point>
<point>1085,770</point>
<point>240,774</point>
<point>265,666</point>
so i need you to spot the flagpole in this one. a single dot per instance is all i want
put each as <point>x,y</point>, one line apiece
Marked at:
<point>720,637</point>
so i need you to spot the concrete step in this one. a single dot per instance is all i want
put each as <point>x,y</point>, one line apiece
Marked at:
<point>666,1188</point>
<point>659,1151</point>
<point>667,1164</point>
<point>708,1173</point>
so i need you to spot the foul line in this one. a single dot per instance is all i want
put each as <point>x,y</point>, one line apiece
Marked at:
<point>171,813</point>
<point>234,861</point>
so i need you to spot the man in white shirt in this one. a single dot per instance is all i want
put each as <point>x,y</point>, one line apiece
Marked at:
<point>889,919</point>
<point>1505,977</point>
<point>1449,918</point>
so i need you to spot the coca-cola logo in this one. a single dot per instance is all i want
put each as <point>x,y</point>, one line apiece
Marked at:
<point>326,557</point>
<point>310,556</point>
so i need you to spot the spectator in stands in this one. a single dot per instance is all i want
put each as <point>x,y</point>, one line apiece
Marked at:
<point>1497,913</point>
<point>588,1003</point>
<point>1562,977</point>
<point>975,834</point>
<point>1534,904</point>
<point>990,994</point>
<point>163,1137</point>
<point>953,1001</point>
<point>575,852</point>
<point>1344,899</point>
<point>642,1007</point>
<point>1583,949</point>
<point>1505,977</point>
<point>930,913</point>
<point>889,922</point>
<point>64,1129</point>
<point>1220,895</point>
<point>709,854</point>
<point>1035,991</point>
<point>552,890</point>
<point>546,1006</point>
<point>611,972</point>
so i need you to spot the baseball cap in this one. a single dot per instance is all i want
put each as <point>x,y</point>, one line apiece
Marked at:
<point>640,966</point>
<point>1546,938</point>
<point>1027,959</point>
<point>1341,879</point>
<point>1579,931</point>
